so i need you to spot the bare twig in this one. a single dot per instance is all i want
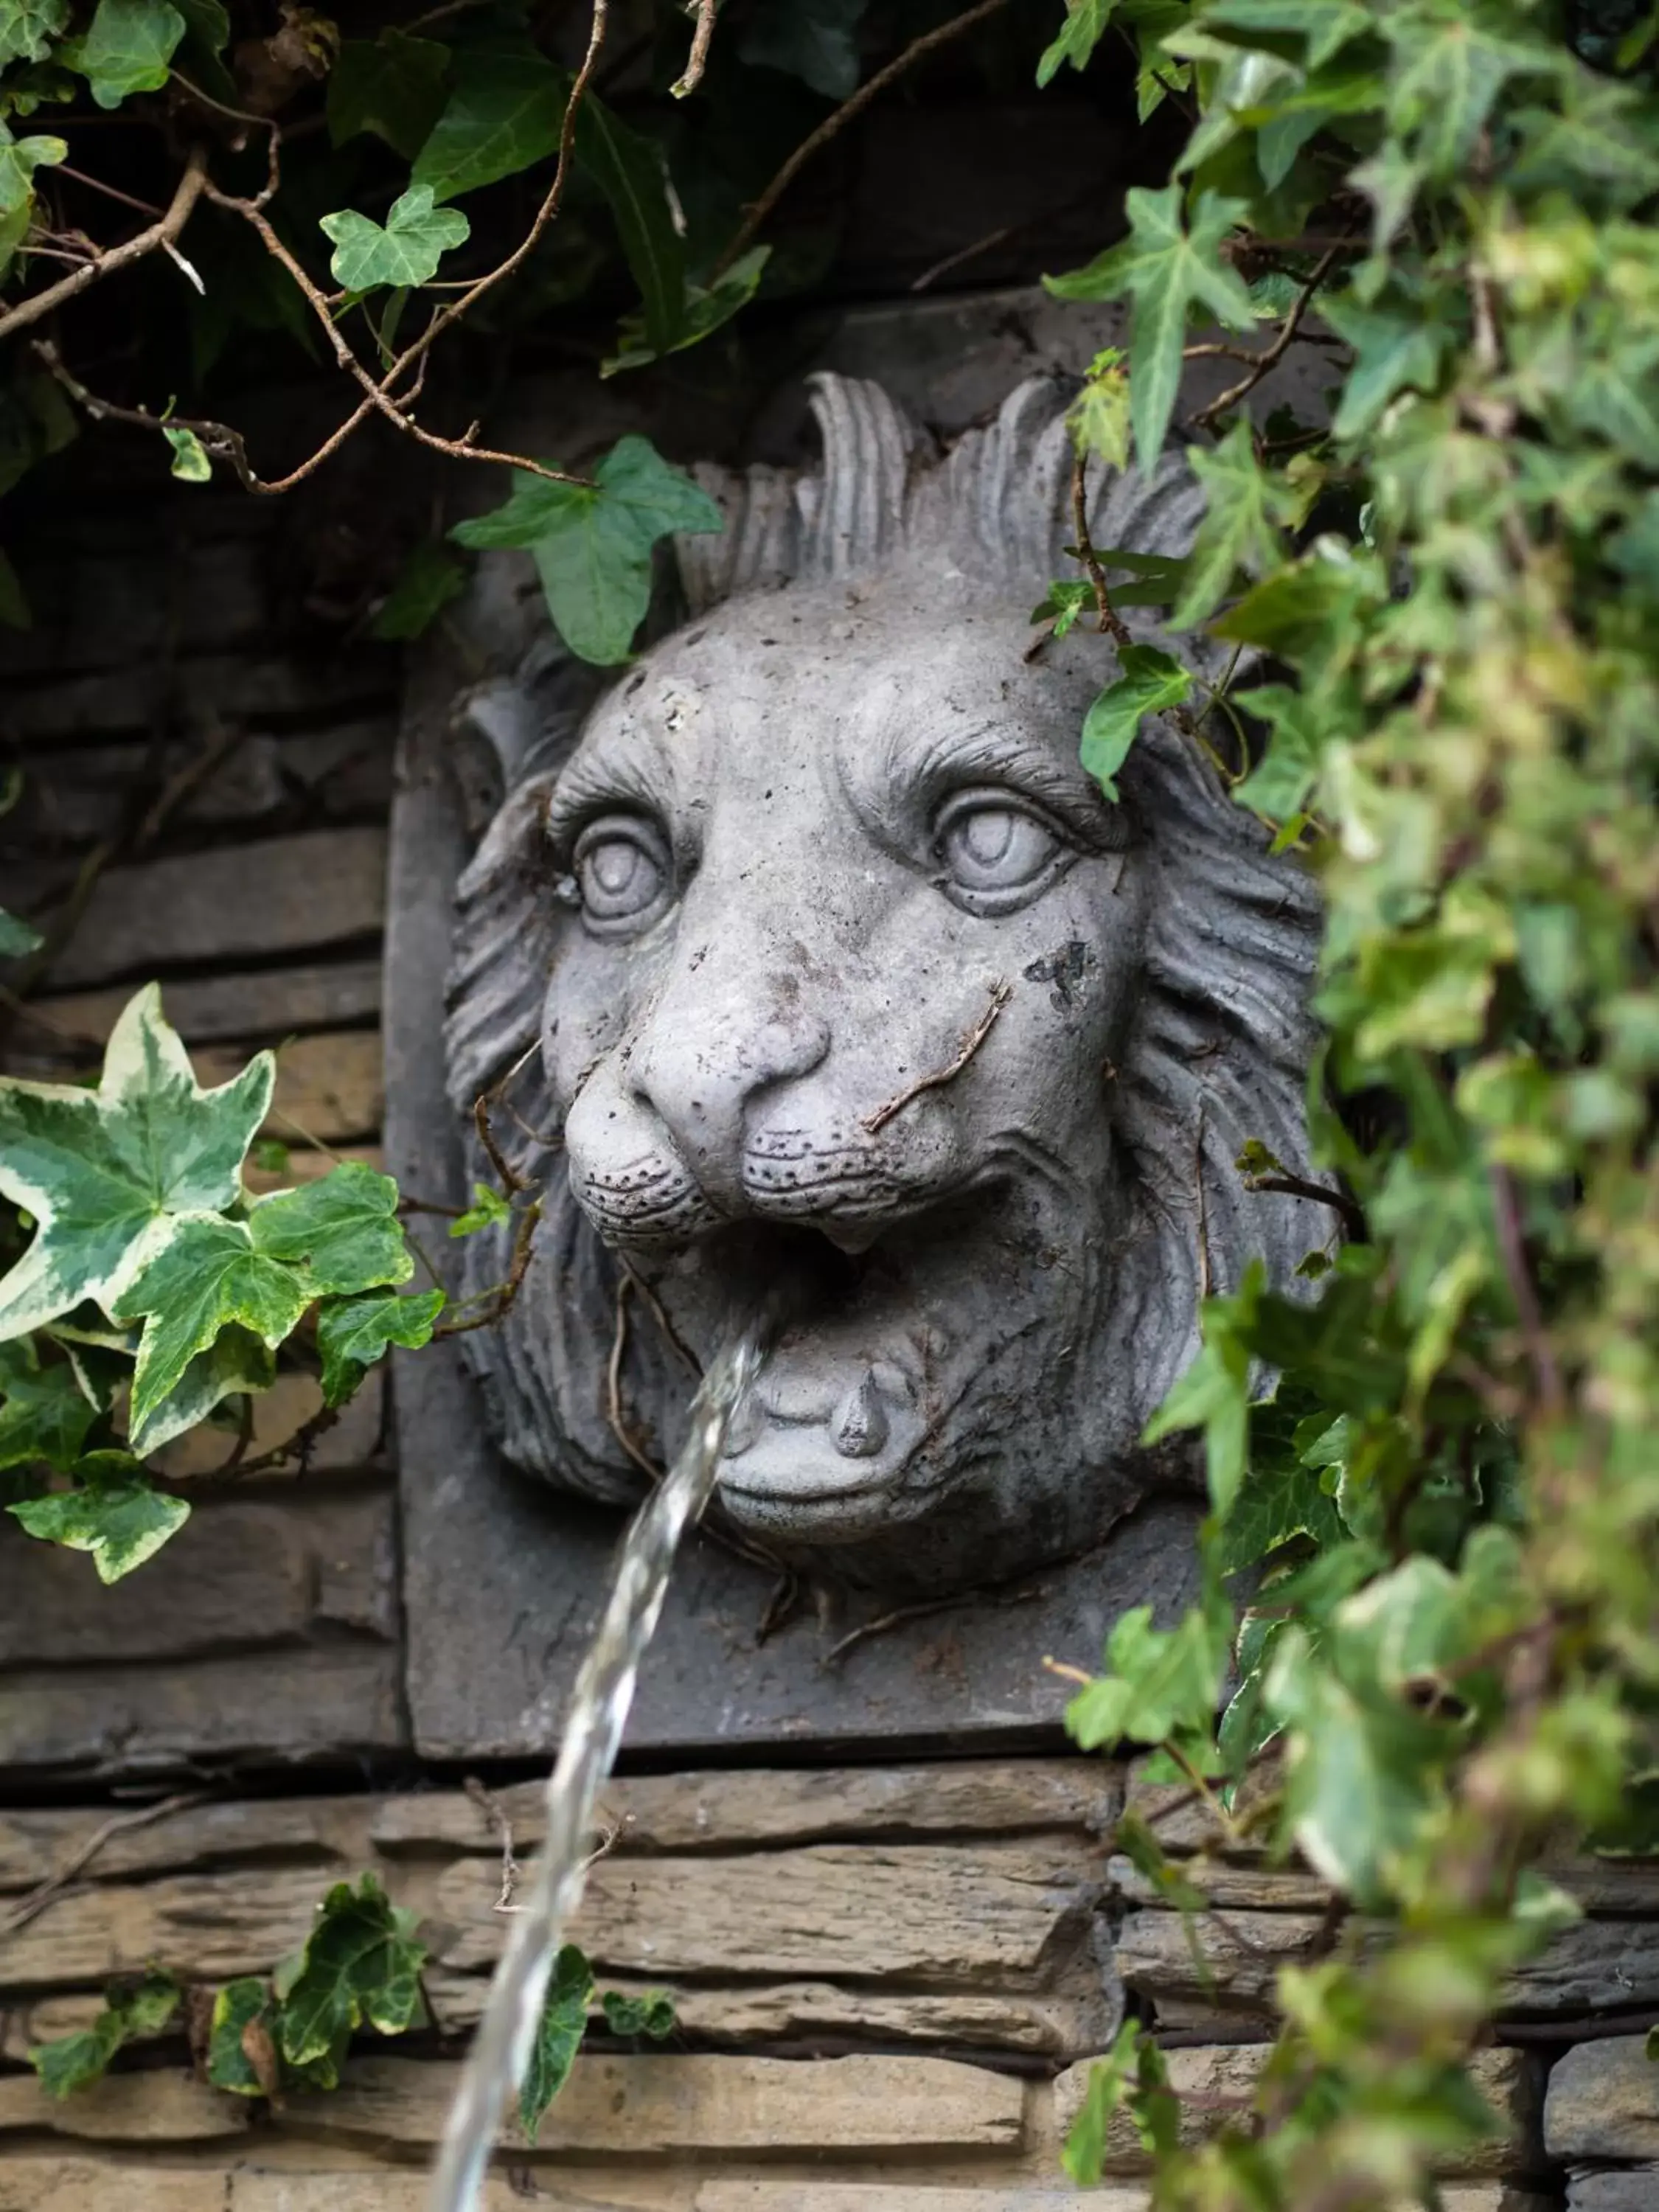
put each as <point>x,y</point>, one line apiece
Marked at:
<point>1295,1186</point>
<point>1261,363</point>
<point>688,1359</point>
<point>1000,994</point>
<point>931,276</point>
<point>490,1807</point>
<point>614,1413</point>
<point>187,191</point>
<point>81,1857</point>
<point>1110,621</point>
<point>921,1611</point>
<point>702,38</point>
<point>761,212</point>
<point>110,191</point>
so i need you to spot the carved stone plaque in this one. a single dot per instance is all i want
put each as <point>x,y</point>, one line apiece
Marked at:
<point>801,963</point>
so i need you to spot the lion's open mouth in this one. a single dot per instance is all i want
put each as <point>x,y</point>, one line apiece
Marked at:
<point>873,1350</point>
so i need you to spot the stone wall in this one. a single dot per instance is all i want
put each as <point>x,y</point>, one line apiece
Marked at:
<point>889,1976</point>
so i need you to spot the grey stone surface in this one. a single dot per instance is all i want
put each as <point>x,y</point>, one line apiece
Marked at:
<point>1603,2102</point>
<point>1636,2189</point>
<point>792,862</point>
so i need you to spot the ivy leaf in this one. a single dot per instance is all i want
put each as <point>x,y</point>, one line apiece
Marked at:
<point>1447,71</point>
<point>191,463</point>
<point>488,1209</point>
<point>706,308</point>
<point>114,1514</point>
<point>1065,600</point>
<point>17,936</point>
<point>816,40</point>
<point>352,1334</point>
<point>208,1274</point>
<point>1099,416</point>
<point>236,1362</point>
<point>127,48</point>
<point>107,1174</point>
<point>360,1966</point>
<point>392,86</point>
<point>1328,28</point>
<point>1151,681</point>
<point>1166,270</point>
<point>1282,1499</point>
<point>629,170</point>
<point>1214,1393</point>
<point>558,2036</point>
<point>343,1229</point>
<point>1085,28</point>
<point>591,545</point>
<point>1159,1683</point>
<point>652,2015</point>
<point>44,1414</point>
<point>28,26</point>
<point>503,114</point>
<point>430,578</point>
<point>240,2009</point>
<point>19,159</point>
<point>1276,787</point>
<point>416,237</point>
<point>1396,349</point>
<point>131,2009</point>
<point>1244,506</point>
<point>1357,1772</point>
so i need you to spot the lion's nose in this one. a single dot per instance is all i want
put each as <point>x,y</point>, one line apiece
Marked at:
<point>702,1079</point>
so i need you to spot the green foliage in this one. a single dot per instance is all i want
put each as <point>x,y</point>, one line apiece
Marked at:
<point>132,2007</point>
<point>430,578</point>
<point>352,1333</point>
<point>111,1512</point>
<point>504,112</point>
<point>1432,1453</point>
<point>127,48</point>
<point>558,2036</point>
<point>154,1288</point>
<point>19,159</point>
<point>592,544</point>
<point>488,1210</point>
<point>191,463</point>
<point>110,1175</point>
<point>1151,681</point>
<point>1168,266</point>
<point>360,1966</point>
<point>392,86</point>
<point>404,251</point>
<point>28,26</point>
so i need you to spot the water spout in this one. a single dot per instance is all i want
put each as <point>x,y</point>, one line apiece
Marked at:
<point>598,1707</point>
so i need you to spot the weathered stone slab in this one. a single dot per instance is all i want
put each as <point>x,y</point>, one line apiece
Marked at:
<point>266,689</point>
<point>1636,2189</point>
<point>710,1812</point>
<point>1057,2025</point>
<point>329,1088</point>
<point>237,1573</point>
<point>160,2105</point>
<point>311,1703</point>
<point>992,1916</point>
<point>656,2104</point>
<point>907,2196</point>
<point>322,888</point>
<point>1208,2080</point>
<point>205,1009</point>
<point>1603,2102</point>
<point>205,1928</point>
<point>1598,1965</point>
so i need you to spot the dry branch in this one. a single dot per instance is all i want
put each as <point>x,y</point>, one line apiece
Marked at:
<point>188,191</point>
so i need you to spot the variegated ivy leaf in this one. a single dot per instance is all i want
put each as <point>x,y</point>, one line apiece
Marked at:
<point>360,1966</point>
<point>338,1236</point>
<point>236,1361</point>
<point>113,1512</point>
<point>109,1174</point>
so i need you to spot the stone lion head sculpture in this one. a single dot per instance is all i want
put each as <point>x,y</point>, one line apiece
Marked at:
<point>821,960</point>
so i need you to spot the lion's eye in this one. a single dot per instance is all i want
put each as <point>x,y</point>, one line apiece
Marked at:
<point>995,852</point>
<point>622,870</point>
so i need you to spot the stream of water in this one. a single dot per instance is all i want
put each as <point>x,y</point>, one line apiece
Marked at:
<point>593,1730</point>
